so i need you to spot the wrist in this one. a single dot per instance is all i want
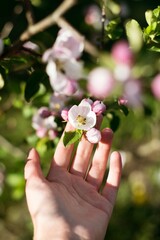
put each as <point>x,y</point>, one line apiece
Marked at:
<point>49,229</point>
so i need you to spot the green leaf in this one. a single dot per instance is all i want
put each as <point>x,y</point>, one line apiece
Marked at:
<point>134,34</point>
<point>114,122</point>
<point>72,137</point>
<point>124,109</point>
<point>33,84</point>
<point>113,30</point>
<point>148,16</point>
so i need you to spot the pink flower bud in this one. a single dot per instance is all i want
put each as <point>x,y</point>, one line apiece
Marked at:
<point>93,135</point>
<point>44,112</point>
<point>87,100</point>
<point>100,82</point>
<point>64,114</point>
<point>41,132</point>
<point>155,86</point>
<point>71,88</point>
<point>122,53</point>
<point>98,107</point>
<point>32,46</point>
<point>122,101</point>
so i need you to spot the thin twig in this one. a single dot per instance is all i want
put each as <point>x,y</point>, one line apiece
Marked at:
<point>54,18</point>
<point>48,21</point>
<point>38,27</point>
<point>29,12</point>
<point>103,19</point>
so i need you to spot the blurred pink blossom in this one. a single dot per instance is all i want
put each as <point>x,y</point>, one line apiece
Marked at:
<point>32,46</point>
<point>43,122</point>
<point>64,114</point>
<point>100,82</point>
<point>52,134</point>
<point>57,102</point>
<point>93,135</point>
<point>69,44</point>
<point>121,53</point>
<point>93,16</point>
<point>122,101</point>
<point>155,86</point>
<point>133,92</point>
<point>122,72</point>
<point>60,73</point>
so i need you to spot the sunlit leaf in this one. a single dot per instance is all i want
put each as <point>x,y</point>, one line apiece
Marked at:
<point>71,137</point>
<point>134,34</point>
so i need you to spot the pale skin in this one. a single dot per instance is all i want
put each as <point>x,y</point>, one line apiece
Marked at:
<point>67,204</point>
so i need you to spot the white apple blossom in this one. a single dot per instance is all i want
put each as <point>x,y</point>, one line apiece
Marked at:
<point>57,102</point>
<point>63,68</point>
<point>93,135</point>
<point>69,44</point>
<point>82,117</point>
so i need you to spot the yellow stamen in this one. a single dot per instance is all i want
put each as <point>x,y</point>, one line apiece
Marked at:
<point>81,120</point>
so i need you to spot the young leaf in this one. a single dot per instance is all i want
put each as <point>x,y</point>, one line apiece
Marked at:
<point>33,84</point>
<point>71,137</point>
<point>134,34</point>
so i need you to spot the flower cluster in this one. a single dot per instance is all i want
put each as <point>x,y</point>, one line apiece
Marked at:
<point>84,118</point>
<point>64,69</point>
<point>44,119</point>
<point>63,66</point>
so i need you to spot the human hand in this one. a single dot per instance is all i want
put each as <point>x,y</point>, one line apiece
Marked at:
<point>68,204</point>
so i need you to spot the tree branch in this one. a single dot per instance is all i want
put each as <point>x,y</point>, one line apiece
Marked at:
<point>29,12</point>
<point>48,21</point>
<point>54,18</point>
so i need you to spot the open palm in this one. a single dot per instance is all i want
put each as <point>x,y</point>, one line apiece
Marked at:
<point>68,202</point>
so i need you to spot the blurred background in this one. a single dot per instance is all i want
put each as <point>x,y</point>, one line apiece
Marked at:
<point>137,212</point>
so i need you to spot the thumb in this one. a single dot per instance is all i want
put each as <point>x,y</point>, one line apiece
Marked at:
<point>32,168</point>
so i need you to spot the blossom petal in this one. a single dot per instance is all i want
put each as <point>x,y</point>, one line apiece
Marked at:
<point>73,69</point>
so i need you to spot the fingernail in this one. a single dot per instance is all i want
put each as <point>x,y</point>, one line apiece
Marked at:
<point>108,133</point>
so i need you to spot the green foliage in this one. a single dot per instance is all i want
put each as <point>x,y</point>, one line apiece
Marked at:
<point>152,32</point>
<point>113,29</point>
<point>72,137</point>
